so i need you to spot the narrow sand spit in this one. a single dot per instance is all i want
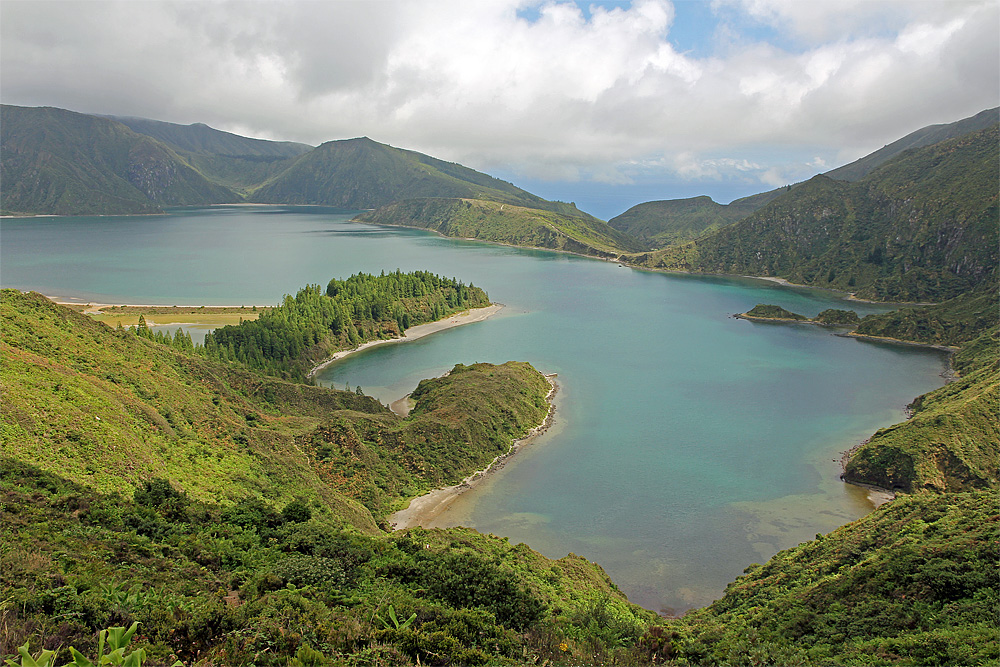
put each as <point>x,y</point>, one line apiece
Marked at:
<point>426,508</point>
<point>419,331</point>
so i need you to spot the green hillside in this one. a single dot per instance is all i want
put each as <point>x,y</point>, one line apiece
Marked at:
<point>362,174</point>
<point>77,392</point>
<point>663,223</point>
<point>235,517</point>
<point>922,227</point>
<point>65,163</point>
<point>202,500</point>
<point>949,444</point>
<point>952,322</point>
<point>952,441</point>
<point>240,163</point>
<point>925,136</point>
<point>506,223</point>
<point>912,583</point>
<point>670,222</point>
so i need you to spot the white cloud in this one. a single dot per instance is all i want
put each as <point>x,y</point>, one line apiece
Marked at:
<point>568,95</point>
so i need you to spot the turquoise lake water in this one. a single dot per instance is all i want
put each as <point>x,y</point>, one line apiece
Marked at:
<point>687,444</point>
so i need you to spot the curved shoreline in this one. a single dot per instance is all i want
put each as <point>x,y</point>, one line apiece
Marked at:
<point>424,509</point>
<point>418,331</point>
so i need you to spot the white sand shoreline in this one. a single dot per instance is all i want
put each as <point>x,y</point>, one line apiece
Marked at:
<point>419,331</point>
<point>424,509</point>
<point>96,306</point>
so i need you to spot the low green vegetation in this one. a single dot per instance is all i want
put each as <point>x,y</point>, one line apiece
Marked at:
<point>912,583</point>
<point>951,441</point>
<point>236,517</point>
<point>108,409</point>
<point>833,317</point>
<point>307,329</point>
<point>60,162</point>
<point>952,322</point>
<point>509,224</point>
<point>358,174</point>
<point>766,311</point>
<point>247,584</point>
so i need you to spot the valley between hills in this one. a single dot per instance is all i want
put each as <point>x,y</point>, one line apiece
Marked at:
<point>239,513</point>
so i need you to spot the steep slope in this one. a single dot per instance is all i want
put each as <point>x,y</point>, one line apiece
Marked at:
<point>60,162</point>
<point>953,322</point>
<point>109,409</point>
<point>922,227</point>
<point>925,136</point>
<point>669,222</point>
<point>228,159</point>
<point>912,583</point>
<point>952,440</point>
<point>362,174</point>
<point>506,223</point>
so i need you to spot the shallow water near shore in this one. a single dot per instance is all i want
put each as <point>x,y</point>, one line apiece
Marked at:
<point>687,444</point>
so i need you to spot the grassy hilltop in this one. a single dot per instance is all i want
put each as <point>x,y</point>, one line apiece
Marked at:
<point>508,224</point>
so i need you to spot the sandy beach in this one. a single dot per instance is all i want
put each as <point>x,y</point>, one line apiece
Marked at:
<point>419,331</point>
<point>424,509</point>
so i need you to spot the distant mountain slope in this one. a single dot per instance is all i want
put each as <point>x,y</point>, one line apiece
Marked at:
<point>668,222</point>
<point>362,174</point>
<point>61,162</point>
<point>228,159</point>
<point>926,136</point>
<point>200,138</point>
<point>922,227</point>
<point>506,223</point>
<point>663,223</point>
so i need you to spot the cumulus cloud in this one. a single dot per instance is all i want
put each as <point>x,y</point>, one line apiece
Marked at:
<point>542,89</point>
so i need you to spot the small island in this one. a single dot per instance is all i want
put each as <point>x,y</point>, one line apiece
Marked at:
<point>831,317</point>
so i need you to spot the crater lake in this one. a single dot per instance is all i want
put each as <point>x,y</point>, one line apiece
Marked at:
<point>687,444</point>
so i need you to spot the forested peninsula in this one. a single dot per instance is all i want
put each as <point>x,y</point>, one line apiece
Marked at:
<point>305,330</point>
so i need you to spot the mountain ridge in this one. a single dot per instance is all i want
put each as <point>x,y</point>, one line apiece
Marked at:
<point>65,163</point>
<point>921,227</point>
<point>675,221</point>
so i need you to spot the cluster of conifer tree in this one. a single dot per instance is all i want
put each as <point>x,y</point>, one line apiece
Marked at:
<point>314,323</point>
<point>179,341</point>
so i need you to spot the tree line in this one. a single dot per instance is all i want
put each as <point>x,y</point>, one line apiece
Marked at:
<point>309,327</point>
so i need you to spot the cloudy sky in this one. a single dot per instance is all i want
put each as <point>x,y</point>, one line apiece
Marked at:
<point>602,103</point>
